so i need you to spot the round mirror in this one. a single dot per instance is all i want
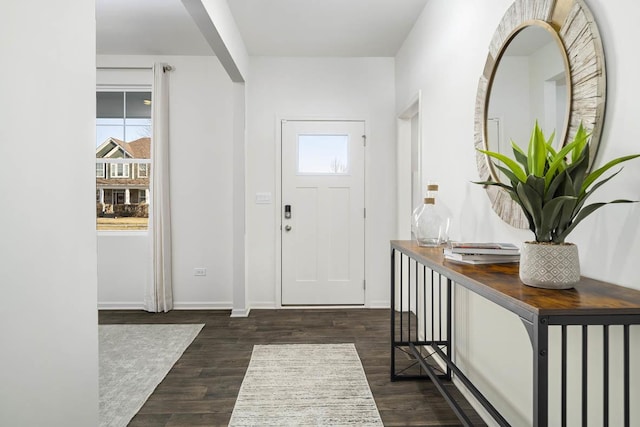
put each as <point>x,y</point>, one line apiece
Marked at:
<point>531,82</point>
<point>545,63</point>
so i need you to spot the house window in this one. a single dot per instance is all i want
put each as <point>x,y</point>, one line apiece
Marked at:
<point>143,170</point>
<point>123,131</point>
<point>119,170</point>
<point>125,116</point>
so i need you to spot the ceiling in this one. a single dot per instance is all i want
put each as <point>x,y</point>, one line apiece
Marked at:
<point>268,27</point>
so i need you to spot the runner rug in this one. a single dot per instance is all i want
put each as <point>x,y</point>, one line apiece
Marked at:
<point>133,360</point>
<point>305,385</point>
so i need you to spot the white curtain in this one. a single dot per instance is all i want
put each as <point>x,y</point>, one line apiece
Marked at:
<point>159,294</point>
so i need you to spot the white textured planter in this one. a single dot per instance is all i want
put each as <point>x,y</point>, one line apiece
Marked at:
<point>549,266</point>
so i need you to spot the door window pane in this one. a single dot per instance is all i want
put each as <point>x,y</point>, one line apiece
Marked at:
<point>323,154</point>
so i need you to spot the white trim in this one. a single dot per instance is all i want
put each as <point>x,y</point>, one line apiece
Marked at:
<point>322,307</point>
<point>126,160</point>
<point>124,87</point>
<point>204,305</point>
<point>120,233</point>
<point>114,305</point>
<point>264,305</point>
<point>117,305</point>
<point>240,312</point>
<point>380,304</point>
<point>403,163</point>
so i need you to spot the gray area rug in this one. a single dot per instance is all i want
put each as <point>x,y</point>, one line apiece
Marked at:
<point>305,385</point>
<point>133,361</point>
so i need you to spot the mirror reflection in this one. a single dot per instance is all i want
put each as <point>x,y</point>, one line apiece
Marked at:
<point>531,83</point>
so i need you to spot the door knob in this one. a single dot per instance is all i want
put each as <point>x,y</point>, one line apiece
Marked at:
<point>287,228</point>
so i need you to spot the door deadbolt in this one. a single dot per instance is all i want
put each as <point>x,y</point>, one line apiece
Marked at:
<point>287,211</point>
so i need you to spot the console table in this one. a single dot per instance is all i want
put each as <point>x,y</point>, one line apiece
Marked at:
<point>422,315</point>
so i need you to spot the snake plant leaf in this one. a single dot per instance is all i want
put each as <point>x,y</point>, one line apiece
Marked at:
<point>552,152</point>
<point>537,184</point>
<point>582,138</point>
<point>537,152</point>
<point>520,156</point>
<point>597,173</point>
<point>556,182</point>
<point>496,183</point>
<point>531,202</point>
<point>510,163</point>
<point>568,187</point>
<point>597,185</point>
<point>582,197</point>
<point>578,170</point>
<point>517,148</point>
<point>559,163</point>
<point>512,178</point>
<point>566,216</point>
<point>549,141</point>
<point>585,212</point>
<point>551,214</point>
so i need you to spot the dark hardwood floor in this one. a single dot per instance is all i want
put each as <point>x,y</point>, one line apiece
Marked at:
<point>201,388</point>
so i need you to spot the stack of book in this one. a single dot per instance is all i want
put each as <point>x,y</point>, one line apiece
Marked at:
<point>482,253</point>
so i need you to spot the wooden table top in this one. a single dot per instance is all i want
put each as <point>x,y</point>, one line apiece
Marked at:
<point>501,284</point>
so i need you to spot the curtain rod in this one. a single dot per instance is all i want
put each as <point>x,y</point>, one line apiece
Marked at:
<point>166,68</point>
<point>124,68</point>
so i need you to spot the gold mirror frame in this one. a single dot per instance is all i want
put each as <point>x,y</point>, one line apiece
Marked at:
<point>577,30</point>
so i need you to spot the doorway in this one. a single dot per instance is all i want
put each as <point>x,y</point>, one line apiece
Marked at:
<point>322,212</point>
<point>409,166</point>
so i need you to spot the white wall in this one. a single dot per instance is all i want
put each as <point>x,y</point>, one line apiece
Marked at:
<point>444,56</point>
<point>353,88</point>
<point>510,102</point>
<point>201,163</point>
<point>49,333</point>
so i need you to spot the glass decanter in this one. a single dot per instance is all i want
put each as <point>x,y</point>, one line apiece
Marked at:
<point>431,221</point>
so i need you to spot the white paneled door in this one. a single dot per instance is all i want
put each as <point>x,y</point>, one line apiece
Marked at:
<point>322,212</point>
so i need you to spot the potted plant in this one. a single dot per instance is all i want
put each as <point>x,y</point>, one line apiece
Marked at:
<point>552,187</point>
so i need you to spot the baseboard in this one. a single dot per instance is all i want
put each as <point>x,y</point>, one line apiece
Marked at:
<point>240,312</point>
<point>188,305</point>
<point>203,305</point>
<point>380,304</point>
<point>272,306</point>
<point>117,305</point>
<point>263,305</point>
<point>475,404</point>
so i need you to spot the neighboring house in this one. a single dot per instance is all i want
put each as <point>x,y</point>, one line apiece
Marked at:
<point>122,187</point>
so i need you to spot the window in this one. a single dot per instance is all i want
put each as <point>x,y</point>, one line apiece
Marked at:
<point>119,170</point>
<point>142,196</point>
<point>323,154</point>
<point>123,131</point>
<point>143,170</point>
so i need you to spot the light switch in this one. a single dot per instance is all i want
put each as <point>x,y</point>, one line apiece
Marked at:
<point>263,198</point>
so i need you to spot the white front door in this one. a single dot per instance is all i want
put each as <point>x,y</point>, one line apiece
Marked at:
<point>322,212</point>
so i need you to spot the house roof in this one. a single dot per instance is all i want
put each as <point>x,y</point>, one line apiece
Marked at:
<point>138,149</point>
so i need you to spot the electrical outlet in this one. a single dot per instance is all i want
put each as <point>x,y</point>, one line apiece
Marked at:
<point>200,271</point>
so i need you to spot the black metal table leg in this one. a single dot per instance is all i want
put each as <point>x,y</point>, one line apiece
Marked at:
<point>540,371</point>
